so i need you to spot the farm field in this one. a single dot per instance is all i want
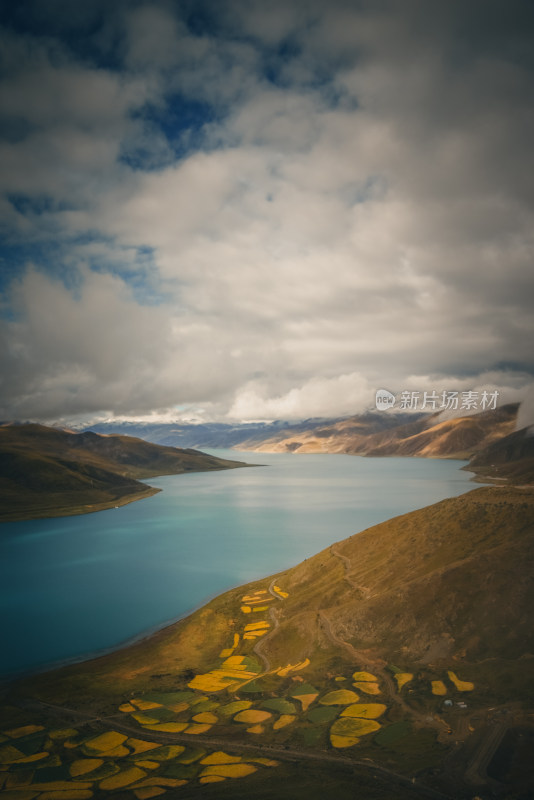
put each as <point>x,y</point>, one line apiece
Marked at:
<point>237,699</point>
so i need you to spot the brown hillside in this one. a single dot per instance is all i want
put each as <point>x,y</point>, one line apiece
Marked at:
<point>50,472</point>
<point>426,436</point>
<point>423,623</point>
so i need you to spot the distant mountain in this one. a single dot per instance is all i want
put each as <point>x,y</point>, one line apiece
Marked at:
<point>50,472</point>
<point>376,434</point>
<point>382,435</point>
<point>214,435</point>
<point>399,659</point>
<point>510,458</point>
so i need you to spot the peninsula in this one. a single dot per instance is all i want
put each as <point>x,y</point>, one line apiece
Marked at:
<point>49,472</point>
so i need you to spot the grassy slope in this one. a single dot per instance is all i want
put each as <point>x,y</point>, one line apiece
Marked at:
<point>50,472</point>
<point>509,459</point>
<point>445,587</point>
<point>450,581</point>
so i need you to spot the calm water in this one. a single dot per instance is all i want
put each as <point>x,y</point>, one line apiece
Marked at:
<point>72,586</point>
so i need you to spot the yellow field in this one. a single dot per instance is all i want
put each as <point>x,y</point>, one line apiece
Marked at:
<point>285,719</point>
<point>117,752</point>
<point>339,697</point>
<point>160,781</point>
<point>71,794</point>
<point>194,729</point>
<point>348,731</point>
<point>462,686</point>
<point>439,688</point>
<point>229,770</point>
<point>252,715</point>
<point>62,733</point>
<point>367,686</point>
<point>167,753</point>
<point>246,609</point>
<point>167,727</point>
<point>106,741</point>
<point>305,700</point>
<point>402,678</point>
<point>145,793</point>
<point>364,710</point>
<point>280,592</point>
<point>125,778</point>
<point>144,719</point>
<point>283,671</point>
<point>178,707</point>
<point>256,729</point>
<point>363,676</point>
<point>211,779</point>
<point>145,705</point>
<point>216,680</point>
<point>233,661</point>
<point>254,626</point>
<point>206,718</point>
<point>83,765</point>
<point>25,730</point>
<point>61,786</point>
<point>220,757</point>
<point>232,708</point>
<point>229,650</point>
<point>30,759</point>
<point>126,708</point>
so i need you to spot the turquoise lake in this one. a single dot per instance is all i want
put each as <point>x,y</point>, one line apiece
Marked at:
<point>74,586</point>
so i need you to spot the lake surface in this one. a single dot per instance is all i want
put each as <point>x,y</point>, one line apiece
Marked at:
<point>73,586</point>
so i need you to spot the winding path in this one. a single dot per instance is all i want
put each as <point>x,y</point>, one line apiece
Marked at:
<point>258,647</point>
<point>364,590</point>
<point>476,769</point>
<point>377,665</point>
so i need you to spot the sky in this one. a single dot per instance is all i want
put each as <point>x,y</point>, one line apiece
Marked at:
<point>241,210</point>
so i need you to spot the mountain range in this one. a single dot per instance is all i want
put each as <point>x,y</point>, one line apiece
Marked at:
<point>47,472</point>
<point>488,439</point>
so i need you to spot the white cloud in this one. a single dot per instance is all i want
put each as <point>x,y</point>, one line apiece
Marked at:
<point>365,218</point>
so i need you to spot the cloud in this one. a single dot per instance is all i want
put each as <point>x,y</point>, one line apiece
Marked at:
<point>266,215</point>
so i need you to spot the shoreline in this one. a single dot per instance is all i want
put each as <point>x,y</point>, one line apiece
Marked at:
<point>91,508</point>
<point>137,639</point>
<point>79,510</point>
<point>153,631</point>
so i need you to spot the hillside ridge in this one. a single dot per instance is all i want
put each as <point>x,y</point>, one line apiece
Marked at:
<point>48,472</point>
